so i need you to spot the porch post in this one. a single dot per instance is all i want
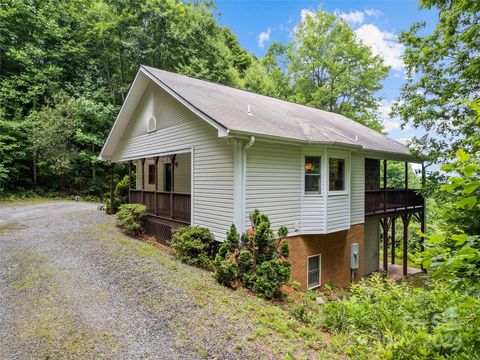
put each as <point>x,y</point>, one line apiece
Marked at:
<point>112,196</point>
<point>156,185</point>
<point>172,183</point>
<point>393,240</point>
<point>143,179</point>
<point>129,181</point>
<point>406,185</point>
<point>385,186</point>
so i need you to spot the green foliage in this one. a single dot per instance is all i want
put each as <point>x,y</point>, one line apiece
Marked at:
<point>453,252</point>
<point>333,70</point>
<point>385,319</point>
<point>270,275</point>
<point>194,245</point>
<point>442,77</point>
<point>120,194</point>
<point>226,271</point>
<point>256,260</point>
<point>131,217</point>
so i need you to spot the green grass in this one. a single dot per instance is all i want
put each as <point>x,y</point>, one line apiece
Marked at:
<point>260,327</point>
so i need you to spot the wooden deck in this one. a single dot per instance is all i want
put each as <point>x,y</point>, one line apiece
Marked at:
<point>392,201</point>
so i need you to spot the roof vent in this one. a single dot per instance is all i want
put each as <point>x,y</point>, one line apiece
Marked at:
<point>356,138</point>
<point>248,110</point>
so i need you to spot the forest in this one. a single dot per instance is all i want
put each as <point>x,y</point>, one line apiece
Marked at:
<point>66,67</point>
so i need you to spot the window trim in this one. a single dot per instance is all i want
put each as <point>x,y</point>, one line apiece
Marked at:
<point>345,175</point>
<point>319,175</point>
<point>319,271</point>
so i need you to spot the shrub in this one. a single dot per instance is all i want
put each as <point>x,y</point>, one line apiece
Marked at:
<point>270,276</point>
<point>394,320</point>
<point>257,259</point>
<point>131,217</point>
<point>226,271</point>
<point>194,245</point>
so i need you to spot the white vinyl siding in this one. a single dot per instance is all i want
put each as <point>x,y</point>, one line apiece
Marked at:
<point>179,130</point>
<point>357,195</point>
<point>273,183</point>
<point>313,214</point>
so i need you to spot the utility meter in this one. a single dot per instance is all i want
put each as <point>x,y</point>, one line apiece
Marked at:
<point>354,258</point>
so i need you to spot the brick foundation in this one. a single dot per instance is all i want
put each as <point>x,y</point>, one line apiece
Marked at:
<point>335,255</point>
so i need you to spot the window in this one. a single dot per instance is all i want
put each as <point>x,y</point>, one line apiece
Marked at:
<point>336,174</point>
<point>151,174</point>
<point>313,271</point>
<point>312,174</point>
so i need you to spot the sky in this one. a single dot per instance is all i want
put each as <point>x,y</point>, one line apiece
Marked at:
<point>377,23</point>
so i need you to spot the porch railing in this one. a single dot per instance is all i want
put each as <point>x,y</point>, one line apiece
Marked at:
<point>170,205</point>
<point>383,201</point>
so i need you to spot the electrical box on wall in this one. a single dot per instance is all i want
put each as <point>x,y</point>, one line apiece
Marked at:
<point>355,255</point>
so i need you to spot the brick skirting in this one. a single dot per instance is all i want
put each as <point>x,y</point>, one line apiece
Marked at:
<point>335,255</point>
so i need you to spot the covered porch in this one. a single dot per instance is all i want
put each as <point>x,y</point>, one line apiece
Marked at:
<point>386,205</point>
<point>163,185</point>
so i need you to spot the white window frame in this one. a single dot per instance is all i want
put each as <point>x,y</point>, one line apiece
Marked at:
<point>345,175</point>
<point>319,271</point>
<point>320,175</point>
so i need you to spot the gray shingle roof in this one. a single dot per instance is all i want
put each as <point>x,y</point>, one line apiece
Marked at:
<point>273,117</point>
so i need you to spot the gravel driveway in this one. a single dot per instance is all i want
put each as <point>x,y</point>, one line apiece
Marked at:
<point>72,286</point>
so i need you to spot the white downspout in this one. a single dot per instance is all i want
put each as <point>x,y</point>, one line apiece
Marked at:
<point>244,182</point>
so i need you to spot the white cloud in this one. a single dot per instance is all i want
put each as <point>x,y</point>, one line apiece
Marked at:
<point>383,43</point>
<point>264,37</point>
<point>353,17</point>
<point>306,12</point>
<point>389,123</point>
<point>373,12</point>
<point>357,17</point>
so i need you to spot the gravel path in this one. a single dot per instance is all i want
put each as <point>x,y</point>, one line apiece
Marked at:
<point>72,286</point>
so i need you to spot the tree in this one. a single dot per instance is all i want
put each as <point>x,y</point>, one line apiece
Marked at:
<point>333,70</point>
<point>443,72</point>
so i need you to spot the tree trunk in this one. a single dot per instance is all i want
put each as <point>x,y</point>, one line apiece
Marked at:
<point>34,166</point>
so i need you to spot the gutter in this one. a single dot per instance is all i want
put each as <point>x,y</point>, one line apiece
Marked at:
<point>243,195</point>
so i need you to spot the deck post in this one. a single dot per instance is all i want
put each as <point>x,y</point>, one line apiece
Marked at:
<point>423,215</point>
<point>385,226</point>
<point>406,220</point>
<point>129,180</point>
<point>156,185</point>
<point>393,240</point>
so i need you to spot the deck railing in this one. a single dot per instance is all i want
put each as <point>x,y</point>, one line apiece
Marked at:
<point>169,205</point>
<point>383,201</point>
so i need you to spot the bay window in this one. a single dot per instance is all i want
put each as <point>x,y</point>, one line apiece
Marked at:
<point>336,174</point>
<point>312,174</point>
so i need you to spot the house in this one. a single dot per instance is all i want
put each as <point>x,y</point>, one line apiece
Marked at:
<point>207,154</point>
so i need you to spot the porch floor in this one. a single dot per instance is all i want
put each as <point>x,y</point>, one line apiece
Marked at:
<point>395,271</point>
